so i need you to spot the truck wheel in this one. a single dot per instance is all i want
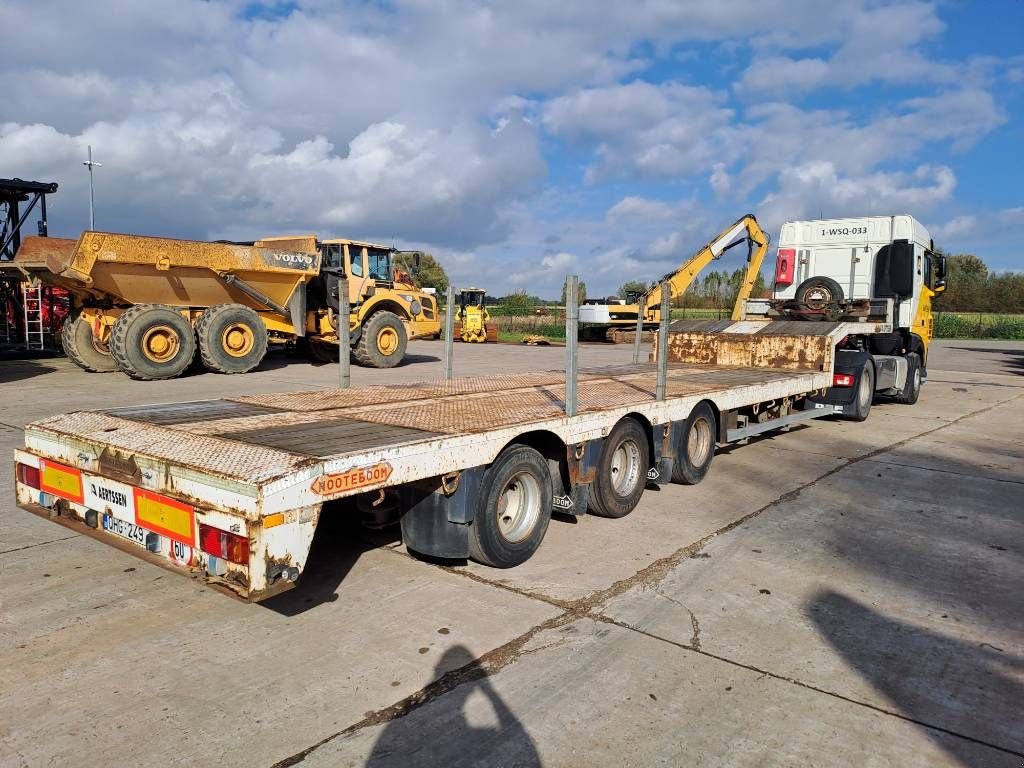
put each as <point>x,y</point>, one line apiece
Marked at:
<point>82,349</point>
<point>152,341</point>
<point>621,471</point>
<point>513,508</point>
<point>696,447</point>
<point>232,338</point>
<point>912,388</point>
<point>382,342</point>
<point>821,296</point>
<point>865,393</point>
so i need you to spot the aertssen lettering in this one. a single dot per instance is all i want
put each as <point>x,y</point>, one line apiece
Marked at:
<point>357,477</point>
<point>109,495</point>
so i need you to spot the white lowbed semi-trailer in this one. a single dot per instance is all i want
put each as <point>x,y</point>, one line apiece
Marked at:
<point>230,491</point>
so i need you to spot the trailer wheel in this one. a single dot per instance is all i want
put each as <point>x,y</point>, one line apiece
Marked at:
<point>865,393</point>
<point>152,341</point>
<point>621,471</point>
<point>696,447</point>
<point>912,388</point>
<point>232,338</point>
<point>83,350</point>
<point>382,342</point>
<point>513,509</point>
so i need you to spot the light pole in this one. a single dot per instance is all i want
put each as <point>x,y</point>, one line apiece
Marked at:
<point>90,164</point>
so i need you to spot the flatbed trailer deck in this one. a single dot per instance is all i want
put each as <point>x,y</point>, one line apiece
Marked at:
<point>231,490</point>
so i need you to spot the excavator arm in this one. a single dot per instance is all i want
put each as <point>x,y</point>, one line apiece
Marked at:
<point>745,230</point>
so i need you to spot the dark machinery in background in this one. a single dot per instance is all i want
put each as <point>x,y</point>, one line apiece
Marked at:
<point>30,315</point>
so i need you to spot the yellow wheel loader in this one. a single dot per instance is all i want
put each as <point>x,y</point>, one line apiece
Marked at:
<point>147,305</point>
<point>471,319</point>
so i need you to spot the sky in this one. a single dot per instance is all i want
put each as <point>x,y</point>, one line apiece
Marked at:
<point>521,141</point>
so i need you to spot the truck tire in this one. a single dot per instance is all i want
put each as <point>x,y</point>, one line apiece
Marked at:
<point>819,297</point>
<point>232,338</point>
<point>912,387</point>
<point>696,447</point>
<point>513,508</point>
<point>152,341</point>
<point>621,471</point>
<point>81,348</point>
<point>865,394</point>
<point>382,342</point>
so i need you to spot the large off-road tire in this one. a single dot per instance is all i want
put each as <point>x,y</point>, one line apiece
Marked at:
<point>152,341</point>
<point>232,338</point>
<point>819,298</point>
<point>82,349</point>
<point>382,342</point>
<point>696,447</point>
<point>513,508</point>
<point>621,471</point>
<point>864,395</point>
<point>457,331</point>
<point>912,388</point>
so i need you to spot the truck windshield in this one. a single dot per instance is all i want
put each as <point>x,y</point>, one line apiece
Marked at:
<point>380,263</point>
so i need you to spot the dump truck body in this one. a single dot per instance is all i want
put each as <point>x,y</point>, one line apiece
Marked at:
<point>230,491</point>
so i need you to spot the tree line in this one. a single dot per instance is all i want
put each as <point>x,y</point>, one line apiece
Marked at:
<point>971,287</point>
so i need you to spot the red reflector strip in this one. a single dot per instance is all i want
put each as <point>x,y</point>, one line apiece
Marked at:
<point>222,544</point>
<point>28,476</point>
<point>842,380</point>
<point>165,516</point>
<point>60,480</point>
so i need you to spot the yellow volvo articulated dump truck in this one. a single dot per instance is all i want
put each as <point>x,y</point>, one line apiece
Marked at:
<point>146,305</point>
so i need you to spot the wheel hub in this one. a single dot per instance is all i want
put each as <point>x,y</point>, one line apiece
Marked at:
<point>387,341</point>
<point>625,467</point>
<point>238,340</point>
<point>519,507</point>
<point>160,343</point>
<point>699,442</point>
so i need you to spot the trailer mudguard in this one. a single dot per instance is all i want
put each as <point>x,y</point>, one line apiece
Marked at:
<point>437,517</point>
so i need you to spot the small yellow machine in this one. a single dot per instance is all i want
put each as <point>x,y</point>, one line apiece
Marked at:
<point>146,305</point>
<point>471,320</point>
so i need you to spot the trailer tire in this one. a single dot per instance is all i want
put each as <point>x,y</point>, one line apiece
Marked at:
<point>513,508</point>
<point>912,387</point>
<point>232,338</point>
<point>80,346</point>
<point>621,471</point>
<point>865,394</point>
<point>696,447</point>
<point>383,341</point>
<point>152,341</point>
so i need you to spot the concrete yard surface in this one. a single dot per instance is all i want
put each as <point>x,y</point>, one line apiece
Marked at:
<point>841,594</point>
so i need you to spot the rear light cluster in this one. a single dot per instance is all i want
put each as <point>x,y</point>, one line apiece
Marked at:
<point>842,380</point>
<point>784,266</point>
<point>28,476</point>
<point>228,546</point>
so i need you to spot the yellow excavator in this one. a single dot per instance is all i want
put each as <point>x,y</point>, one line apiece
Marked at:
<point>620,318</point>
<point>471,318</point>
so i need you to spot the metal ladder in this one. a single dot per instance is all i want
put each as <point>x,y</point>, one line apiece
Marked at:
<point>33,306</point>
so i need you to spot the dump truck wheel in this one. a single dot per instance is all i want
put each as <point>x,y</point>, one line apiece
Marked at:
<point>152,341</point>
<point>382,342</point>
<point>232,338</point>
<point>696,448</point>
<point>513,508</point>
<point>912,388</point>
<point>621,471</point>
<point>82,349</point>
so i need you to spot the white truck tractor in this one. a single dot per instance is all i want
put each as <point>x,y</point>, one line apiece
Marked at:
<point>868,269</point>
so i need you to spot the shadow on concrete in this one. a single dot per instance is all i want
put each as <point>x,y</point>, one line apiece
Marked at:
<point>934,679</point>
<point>1010,360</point>
<point>338,544</point>
<point>467,725</point>
<point>18,370</point>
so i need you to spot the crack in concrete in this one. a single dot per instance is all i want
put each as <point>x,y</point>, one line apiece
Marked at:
<point>589,607</point>
<point>694,624</point>
<point>39,544</point>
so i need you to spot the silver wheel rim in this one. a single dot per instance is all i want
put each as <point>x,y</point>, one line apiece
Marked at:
<point>698,442</point>
<point>864,392</point>
<point>625,467</point>
<point>519,506</point>
<point>917,379</point>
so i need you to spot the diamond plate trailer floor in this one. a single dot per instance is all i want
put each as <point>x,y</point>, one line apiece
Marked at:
<point>258,470</point>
